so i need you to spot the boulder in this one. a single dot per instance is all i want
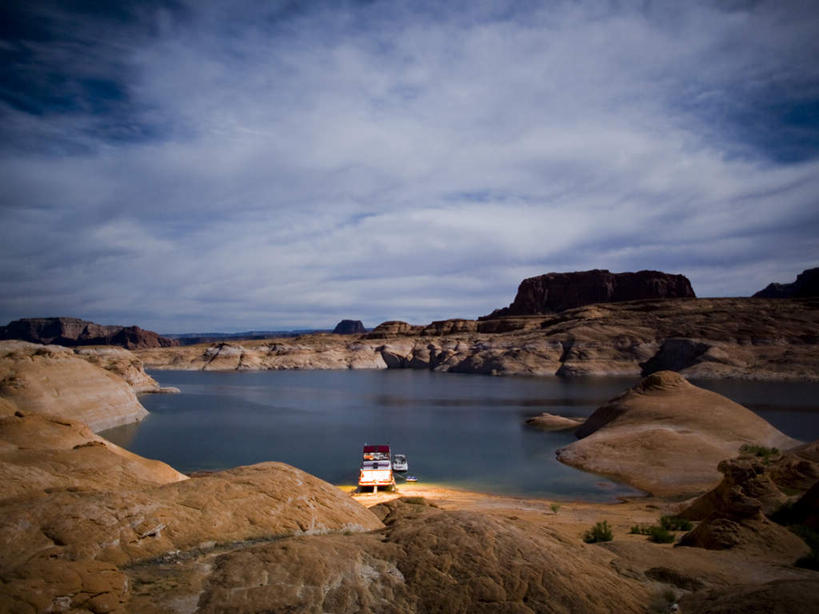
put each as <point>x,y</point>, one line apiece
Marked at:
<point>667,436</point>
<point>805,285</point>
<point>349,327</point>
<point>555,292</point>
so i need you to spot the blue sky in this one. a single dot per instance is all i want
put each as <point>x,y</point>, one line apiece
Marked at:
<point>196,165</point>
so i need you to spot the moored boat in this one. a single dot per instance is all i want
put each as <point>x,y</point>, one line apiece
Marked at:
<point>399,462</point>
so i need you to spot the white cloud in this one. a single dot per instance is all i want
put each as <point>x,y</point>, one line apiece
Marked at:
<point>375,162</point>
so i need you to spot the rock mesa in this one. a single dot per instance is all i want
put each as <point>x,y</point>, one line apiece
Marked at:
<point>556,292</point>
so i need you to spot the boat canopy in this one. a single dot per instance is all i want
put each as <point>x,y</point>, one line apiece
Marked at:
<point>372,449</point>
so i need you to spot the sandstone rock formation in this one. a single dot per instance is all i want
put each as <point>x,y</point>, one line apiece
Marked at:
<point>426,560</point>
<point>778,597</point>
<point>41,453</point>
<point>806,285</point>
<point>394,327</point>
<point>65,550</point>
<point>73,332</point>
<point>50,378</point>
<point>734,514</point>
<point>120,362</point>
<point>667,436</point>
<point>555,292</point>
<point>551,422</point>
<point>349,327</point>
<point>724,338</point>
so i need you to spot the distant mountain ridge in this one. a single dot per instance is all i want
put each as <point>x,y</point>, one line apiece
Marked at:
<point>72,332</point>
<point>806,285</point>
<point>195,338</point>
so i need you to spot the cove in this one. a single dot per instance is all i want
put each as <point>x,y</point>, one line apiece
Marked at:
<point>463,431</point>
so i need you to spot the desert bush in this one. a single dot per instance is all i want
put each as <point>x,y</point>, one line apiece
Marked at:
<point>675,523</point>
<point>600,532</point>
<point>660,535</point>
<point>555,507</point>
<point>639,529</point>
<point>762,452</point>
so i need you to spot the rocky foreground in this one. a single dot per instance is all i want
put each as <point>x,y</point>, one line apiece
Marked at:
<point>774,339</point>
<point>89,527</point>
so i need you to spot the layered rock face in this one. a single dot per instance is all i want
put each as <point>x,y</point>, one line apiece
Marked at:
<point>556,292</point>
<point>73,332</point>
<point>806,285</point>
<point>349,327</point>
<point>725,338</point>
<point>53,379</point>
<point>667,436</point>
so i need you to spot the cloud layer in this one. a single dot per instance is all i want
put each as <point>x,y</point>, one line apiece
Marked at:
<point>201,166</point>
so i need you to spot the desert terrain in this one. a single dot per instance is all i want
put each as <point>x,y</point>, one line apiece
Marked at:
<point>90,527</point>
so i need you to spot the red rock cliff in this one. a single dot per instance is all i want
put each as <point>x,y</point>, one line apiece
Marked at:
<point>560,291</point>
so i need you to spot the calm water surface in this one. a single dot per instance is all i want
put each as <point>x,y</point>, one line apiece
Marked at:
<point>461,430</point>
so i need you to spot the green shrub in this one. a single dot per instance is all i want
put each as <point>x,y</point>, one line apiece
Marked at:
<point>675,523</point>
<point>762,452</point>
<point>555,507</point>
<point>660,535</point>
<point>600,532</point>
<point>638,529</point>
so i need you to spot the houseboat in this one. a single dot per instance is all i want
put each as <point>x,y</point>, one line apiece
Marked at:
<point>376,468</point>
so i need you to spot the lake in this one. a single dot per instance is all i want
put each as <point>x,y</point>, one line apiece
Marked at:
<point>458,430</point>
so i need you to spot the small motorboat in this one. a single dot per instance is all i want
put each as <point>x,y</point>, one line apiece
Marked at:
<point>411,478</point>
<point>399,462</point>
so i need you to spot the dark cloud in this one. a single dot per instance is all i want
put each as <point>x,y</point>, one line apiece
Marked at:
<point>206,165</point>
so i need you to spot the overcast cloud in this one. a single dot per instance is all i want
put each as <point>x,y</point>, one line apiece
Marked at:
<point>191,166</point>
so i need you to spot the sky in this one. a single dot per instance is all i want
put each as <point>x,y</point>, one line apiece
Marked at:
<point>189,166</point>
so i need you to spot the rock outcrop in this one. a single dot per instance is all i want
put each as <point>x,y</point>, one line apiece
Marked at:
<point>66,550</point>
<point>806,285</point>
<point>734,513</point>
<point>393,328</point>
<point>556,292</point>
<point>551,422</point>
<point>426,560</point>
<point>349,327</point>
<point>53,379</point>
<point>73,332</point>
<point>723,338</point>
<point>667,436</point>
<point>41,453</point>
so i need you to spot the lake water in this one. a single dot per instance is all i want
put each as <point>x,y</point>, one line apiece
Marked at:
<point>460,430</point>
